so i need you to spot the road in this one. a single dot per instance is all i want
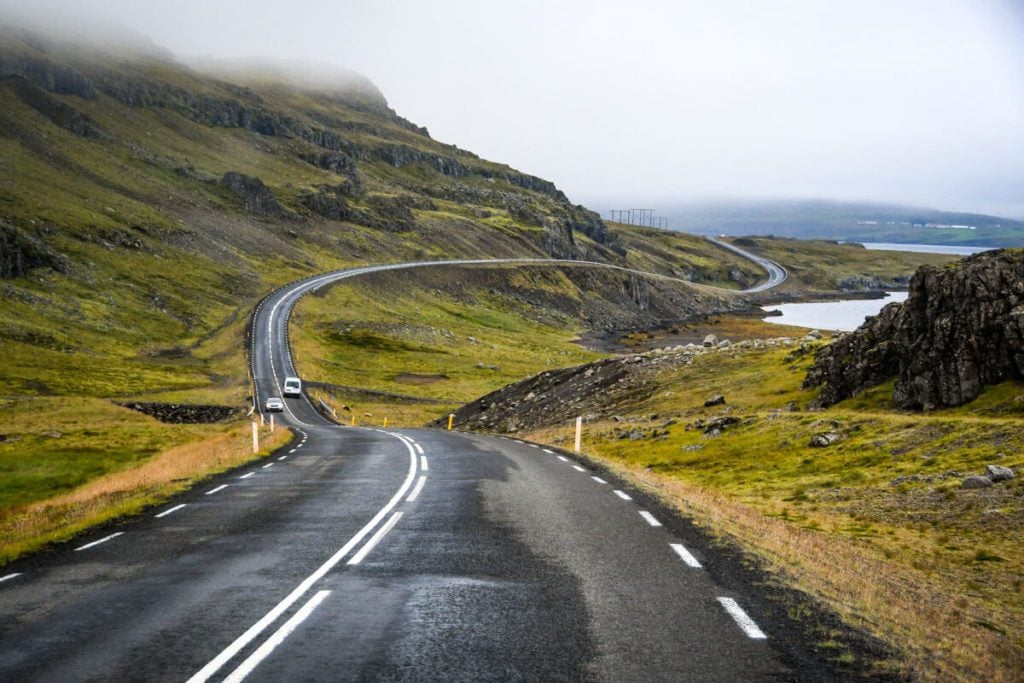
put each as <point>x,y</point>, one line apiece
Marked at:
<point>776,273</point>
<point>367,554</point>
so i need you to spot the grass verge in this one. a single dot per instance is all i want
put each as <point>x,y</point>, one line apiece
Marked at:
<point>125,492</point>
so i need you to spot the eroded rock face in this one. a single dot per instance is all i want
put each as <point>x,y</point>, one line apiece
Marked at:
<point>20,252</point>
<point>256,197</point>
<point>961,328</point>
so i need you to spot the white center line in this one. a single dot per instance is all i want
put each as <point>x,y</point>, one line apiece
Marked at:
<point>372,543</point>
<point>549,451</point>
<point>685,554</point>
<point>167,512</point>
<point>219,488</point>
<point>283,457</point>
<point>215,664</point>
<point>102,540</point>
<point>563,458</point>
<point>419,448</point>
<point>246,476</point>
<point>599,480</point>
<point>423,463</point>
<point>649,518</point>
<point>9,577</point>
<point>533,445</point>
<point>293,450</point>
<point>742,620</point>
<point>269,464</point>
<point>264,650</point>
<point>416,490</point>
<point>578,468</point>
<point>622,495</point>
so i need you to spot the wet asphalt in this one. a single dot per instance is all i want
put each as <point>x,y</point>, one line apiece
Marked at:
<point>406,555</point>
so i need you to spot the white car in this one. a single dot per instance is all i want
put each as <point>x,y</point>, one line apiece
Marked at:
<point>292,386</point>
<point>274,405</point>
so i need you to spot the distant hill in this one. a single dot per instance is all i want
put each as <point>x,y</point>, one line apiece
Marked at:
<point>851,221</point>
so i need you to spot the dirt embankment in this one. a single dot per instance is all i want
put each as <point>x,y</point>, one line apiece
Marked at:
<point>595,391</point>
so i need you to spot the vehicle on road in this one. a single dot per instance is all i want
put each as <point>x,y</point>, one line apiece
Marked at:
<point>274,405</point>
<point>292,386</point>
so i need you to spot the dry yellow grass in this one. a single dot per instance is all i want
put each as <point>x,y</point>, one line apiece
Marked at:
<point>902,606</point>
<point>126,492</point>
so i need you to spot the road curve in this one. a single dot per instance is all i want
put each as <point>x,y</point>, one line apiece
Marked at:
<point>366,554</point>
<point>776,273</point>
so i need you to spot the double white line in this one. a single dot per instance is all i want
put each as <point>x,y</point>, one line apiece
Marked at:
<point>215,664</point>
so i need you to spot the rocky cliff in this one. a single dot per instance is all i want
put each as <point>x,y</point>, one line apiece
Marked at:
<point>961,328</point>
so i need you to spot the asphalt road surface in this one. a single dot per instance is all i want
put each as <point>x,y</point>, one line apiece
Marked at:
<point>776,273</point>
<point>366,554</point>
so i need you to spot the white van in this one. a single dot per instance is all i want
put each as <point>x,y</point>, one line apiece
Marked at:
<point>292,386</point>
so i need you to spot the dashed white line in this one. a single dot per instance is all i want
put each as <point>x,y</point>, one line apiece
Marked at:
<point>419,448</point>
<point>416,490</point>
<point>563,458</point>
<point>9,577</point>
<point>649,518</point>
<point>293,450</point>
<point>283,457</point>
<point>102,540</point>
<point>269,464</point>
<point>246,476</point>
<point>264,650</point>
<point>219,488</point>
<point>167,512</point>
<point>622,495</point>
<point>548,451</point>
<point>742,620</point>
<point>423,463</point>
<point>578,468</point>
<point>533,445</point>
<point>372,543</point>
<point>685,555</point>
<point>599,480</point>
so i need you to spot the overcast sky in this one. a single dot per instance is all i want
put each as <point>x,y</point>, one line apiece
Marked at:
<point>651,102</point>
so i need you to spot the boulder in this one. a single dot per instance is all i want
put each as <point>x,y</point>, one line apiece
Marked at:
<point>825,439</point>
<point>998,473</point>
<point>717,400</point>
<point>976,482</point>
<point>710,340</point>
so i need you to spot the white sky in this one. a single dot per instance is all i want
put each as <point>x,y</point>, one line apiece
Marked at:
<point>658,102</point>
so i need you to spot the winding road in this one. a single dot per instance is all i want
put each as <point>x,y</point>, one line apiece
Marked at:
<point>369,554</point>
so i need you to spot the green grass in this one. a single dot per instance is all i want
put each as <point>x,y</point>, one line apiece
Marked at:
<point>372,335</point>
<point>822,266</point>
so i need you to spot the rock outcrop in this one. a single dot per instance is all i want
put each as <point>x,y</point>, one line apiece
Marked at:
<point>961,328</point>
<point>256,197</point>
<point>182,413</point>
<point>21,252</point>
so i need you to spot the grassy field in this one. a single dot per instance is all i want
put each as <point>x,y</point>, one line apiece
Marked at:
<point>443,345</point>
<point>876,525</point>
<point>67,464</point>
<point>824,266</point>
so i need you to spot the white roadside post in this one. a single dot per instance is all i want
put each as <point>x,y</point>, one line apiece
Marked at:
<point>255,437</point>
<point>271,422</point>
<point>579,430</point>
